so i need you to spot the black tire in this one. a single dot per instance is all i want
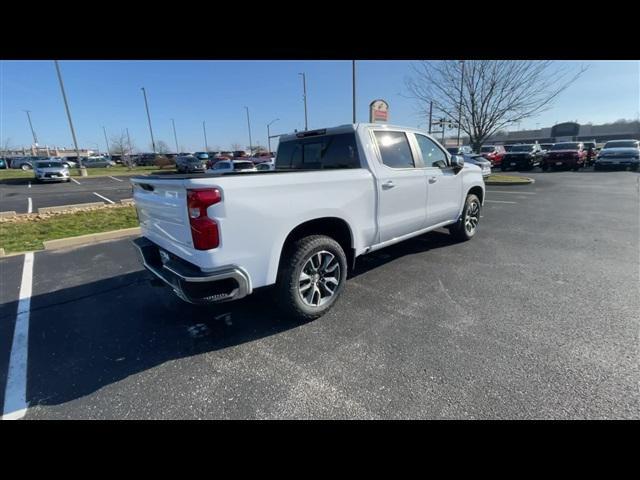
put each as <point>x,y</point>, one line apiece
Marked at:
<point>287,295</point>
<point>503,167</point>
<point>544,167</point>
<point>460,230</point>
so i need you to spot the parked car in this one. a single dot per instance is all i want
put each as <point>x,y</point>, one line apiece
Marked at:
<point>480,161</point>
<point>460,150</point>
<point>230,166</point>
<point>240,154</point>
<point>96,162</point>
<point>523,157</point>
<point>146,159</point>
<point>24,163</point>
<point>619,154</point>
<point>68,163</point>
<point>591,152</point>
<point>262,157</point>
<point>202,156</point>
<point>266,166</point>
<point>565,155</point>
<point>493,153</point>
<point>3,163</point>
<point>190,164</point>
<point>50,171</point>
<point>336,194</point>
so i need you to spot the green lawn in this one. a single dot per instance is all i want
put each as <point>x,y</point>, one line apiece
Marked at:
<point>92,172</point>
<point>29,235</point>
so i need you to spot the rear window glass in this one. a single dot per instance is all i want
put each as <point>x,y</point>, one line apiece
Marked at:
<point>486,149</point>
<point>565,146</point>
<point>325,152</point>
<point>621,144</point>
<point>42,164</point>
<point>242,165</point>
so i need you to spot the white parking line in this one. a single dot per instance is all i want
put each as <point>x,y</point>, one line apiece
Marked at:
<point>497,201</point>
<point>117,179</point>
<point>30,206</point>
<point>15,394</point>
<point>74,180</point>
<point>517,193</point>
<point>104,198</point>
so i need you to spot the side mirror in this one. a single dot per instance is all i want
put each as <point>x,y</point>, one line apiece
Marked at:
<point>457,162</point>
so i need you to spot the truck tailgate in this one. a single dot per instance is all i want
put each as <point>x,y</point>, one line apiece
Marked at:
<point>162,210</point>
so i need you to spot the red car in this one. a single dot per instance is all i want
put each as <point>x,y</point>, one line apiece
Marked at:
<point>493,153</point>
<point>565,155</point>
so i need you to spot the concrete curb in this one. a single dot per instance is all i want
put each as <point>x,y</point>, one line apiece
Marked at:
<point>127,201</point>
<point>7,214</point>
<point>90,238</point>
<point>529,181</point>
<point>62,208</point>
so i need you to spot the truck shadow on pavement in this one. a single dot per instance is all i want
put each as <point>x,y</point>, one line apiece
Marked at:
<point>88,337</point>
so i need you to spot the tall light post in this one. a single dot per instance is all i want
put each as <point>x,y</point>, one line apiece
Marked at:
<point>81,168</point>
<point>128,157</point>
<point>460,106</point>
<point>33,132</point>
<point>146,104</point>
<point>249,125</point>
<point>353,79</point>
<point>304,97</point>
<point>269,133</point>
<point>175,136</point>
<point>204,129</point>
<point>106,141</point>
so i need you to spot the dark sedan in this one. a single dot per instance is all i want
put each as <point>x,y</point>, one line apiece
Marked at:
<point>522,157</point>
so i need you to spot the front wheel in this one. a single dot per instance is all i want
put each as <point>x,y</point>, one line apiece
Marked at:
<point>467,225</point>
<point>312,274</point>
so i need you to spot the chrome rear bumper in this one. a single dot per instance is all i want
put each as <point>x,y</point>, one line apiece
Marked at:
<point>190,283</point>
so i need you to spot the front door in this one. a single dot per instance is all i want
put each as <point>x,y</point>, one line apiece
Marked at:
<point>444,185</point>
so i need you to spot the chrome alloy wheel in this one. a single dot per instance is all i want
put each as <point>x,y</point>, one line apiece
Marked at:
<point>472,217</point>
<point>319,278</point>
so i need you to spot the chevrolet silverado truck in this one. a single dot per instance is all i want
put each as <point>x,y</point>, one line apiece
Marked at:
<point>335,194</point>
<point>565,155</point>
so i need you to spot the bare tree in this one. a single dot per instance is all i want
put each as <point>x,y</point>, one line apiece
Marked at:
<point>162,147</point>
<point>493,95</point>
<point>236,146</point>
<point>6,146</point>
<point>120,146</point>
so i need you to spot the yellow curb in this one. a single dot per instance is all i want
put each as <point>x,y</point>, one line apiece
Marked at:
<point>62,208</point>
<point>7,214</point>
<point>90,238</point>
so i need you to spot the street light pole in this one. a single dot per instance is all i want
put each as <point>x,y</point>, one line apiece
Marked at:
<point>175,136</point>
<point>81,168</point>
<point>204,129</point>
<point>353,78</point>
<point>106,141</point>
<point>304,97</point>
<point>146,104</point>
<point>33,132</point>
<point>249,125</point>
<point>269,134</point>
<point>128,157</point>
<point>460,107</point>
<point>430,115</point>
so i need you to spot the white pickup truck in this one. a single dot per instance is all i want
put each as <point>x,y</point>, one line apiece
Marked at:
<point>335,194</point>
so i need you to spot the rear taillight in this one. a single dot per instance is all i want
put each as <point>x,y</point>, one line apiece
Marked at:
<point>204,230</point>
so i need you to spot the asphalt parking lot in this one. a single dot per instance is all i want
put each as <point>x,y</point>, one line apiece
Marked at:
<point>536,317</point>
<point>23,195</point>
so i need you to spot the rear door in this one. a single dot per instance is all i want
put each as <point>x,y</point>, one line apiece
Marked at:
<point>401,184</point>
<point>444,186</point>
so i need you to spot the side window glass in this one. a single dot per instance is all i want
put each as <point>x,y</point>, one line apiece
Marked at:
<point>395,150</point>
<point>432,155</point>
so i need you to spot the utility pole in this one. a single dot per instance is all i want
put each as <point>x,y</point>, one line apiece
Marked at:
<point>175,136</point>
<point>204,129</point>
<point>146,104</point>
<point>353,78</point>
<point>460,107</point>
<point>269,133</point>
<point>33,132</point>
<point>81,168</point>
<point>129,159</point>
<point>106,141</point>
<point>430,115</point>
<point>249,125</point>
<point>442,121</point>
<point>304,97</point>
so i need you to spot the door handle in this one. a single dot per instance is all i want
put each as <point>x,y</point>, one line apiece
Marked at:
<point>388,185</point>
<point>432,179</point>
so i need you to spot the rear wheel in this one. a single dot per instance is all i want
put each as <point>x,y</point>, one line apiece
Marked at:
<point>467,225</point>
<point>311,277</point>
